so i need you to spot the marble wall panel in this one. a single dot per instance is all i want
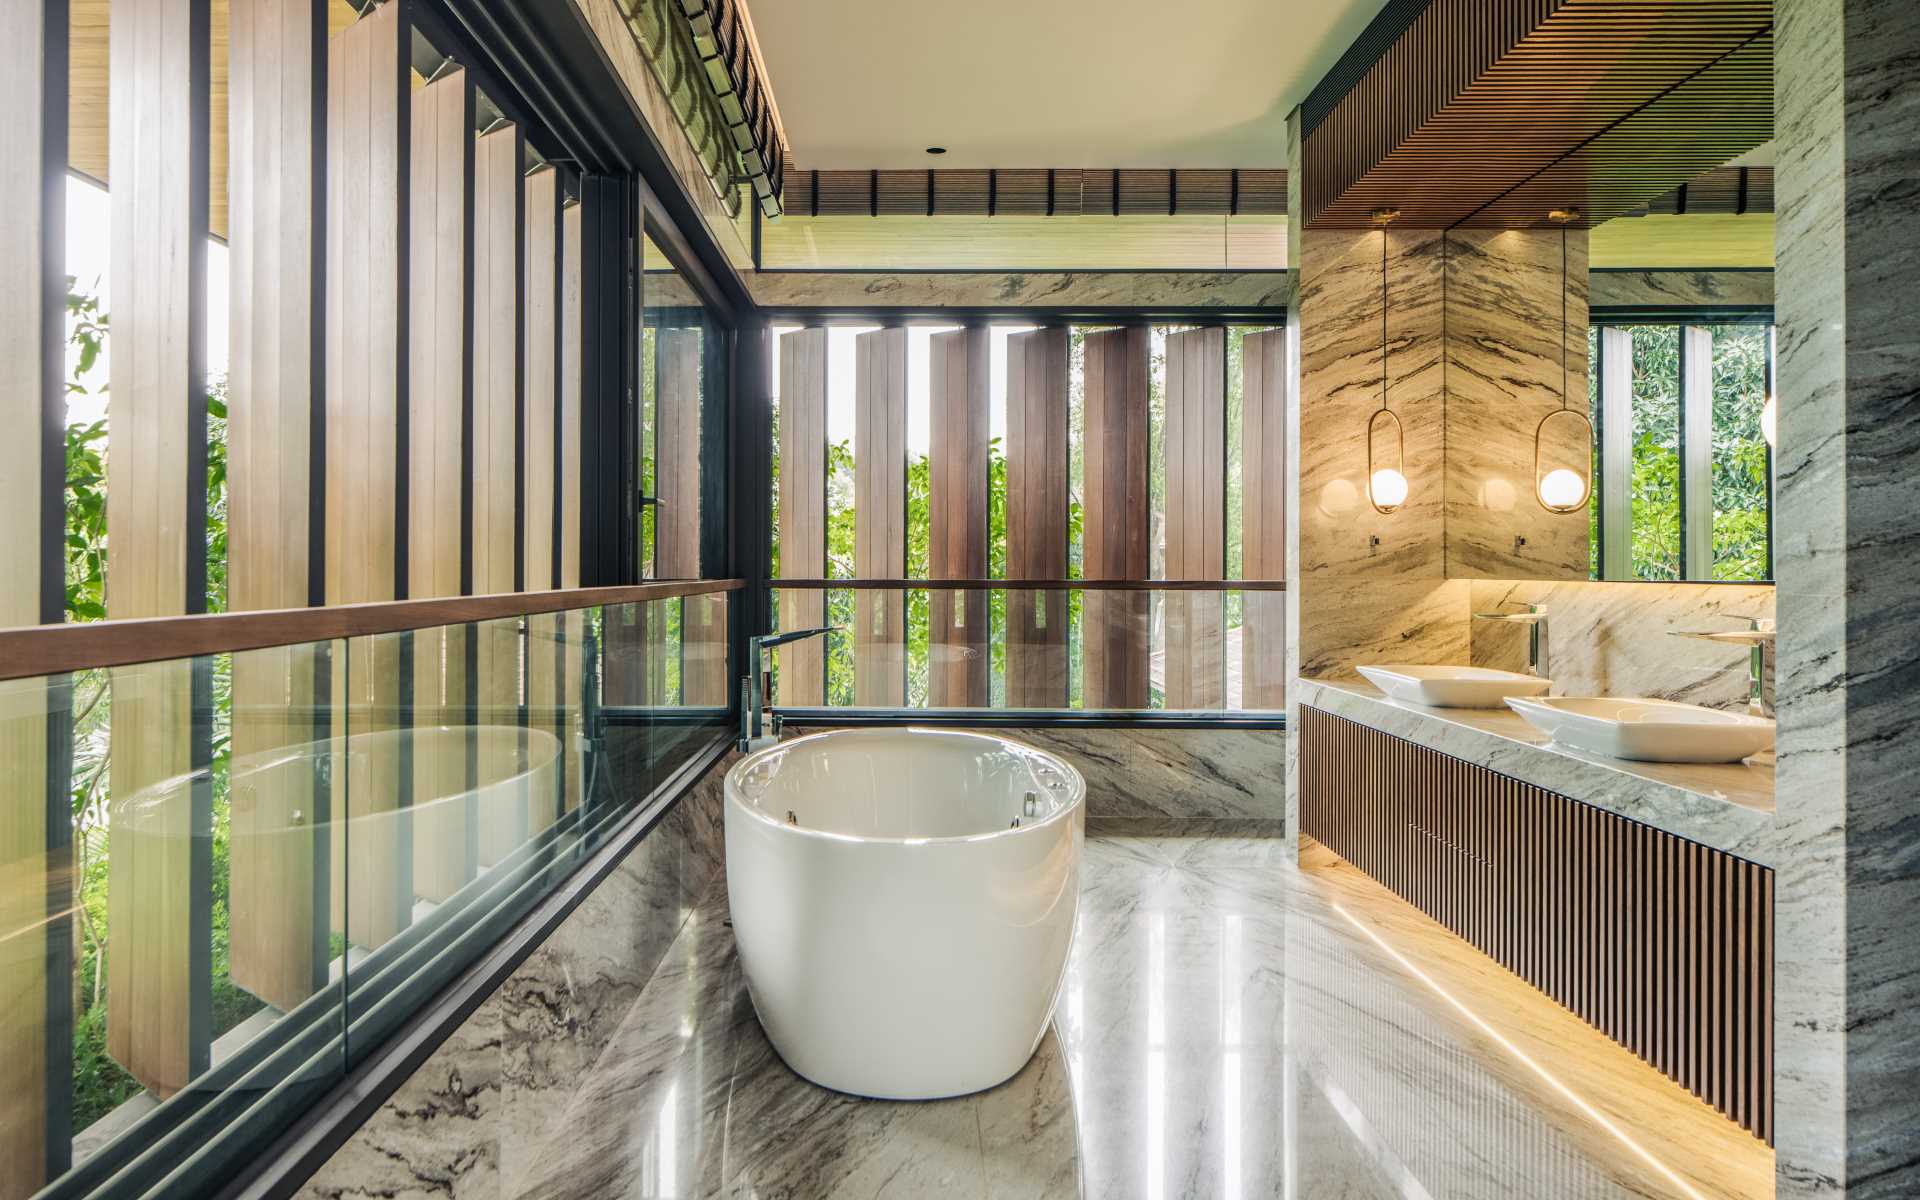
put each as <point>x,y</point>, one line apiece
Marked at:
<point>468,1122</point>
<point>1612,639</point>
<point>1847,1025</point>
<point>1652,288</point>
<point>1019,289</point>
<point>1503,375</point>
<point>1152,781</point>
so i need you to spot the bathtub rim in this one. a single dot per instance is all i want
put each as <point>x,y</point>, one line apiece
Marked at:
<point>736,797</point>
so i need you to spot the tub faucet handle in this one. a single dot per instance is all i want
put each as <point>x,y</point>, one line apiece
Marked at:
<point>1030,805</point>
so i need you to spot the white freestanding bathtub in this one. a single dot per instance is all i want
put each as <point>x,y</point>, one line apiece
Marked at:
<point>903,900</point>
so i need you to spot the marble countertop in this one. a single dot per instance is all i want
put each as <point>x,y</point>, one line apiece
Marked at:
<point>1726,806</point>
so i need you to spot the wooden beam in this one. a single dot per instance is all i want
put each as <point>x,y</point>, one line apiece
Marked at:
<point>494,468</point>
<point>803,508</point>
<point>680,398</point>
<point>36,885</point>
<point>368,116</point>
<point>1196,454</point>
<point>1037,516</point>
<point>573,626</point>
<point>276,207</point>
<point>958,670</point>
<point>880,515</point>
<point>159,978</point>
<point>1264,478</point>
<point>1114,445</point>
<point>439,393</point>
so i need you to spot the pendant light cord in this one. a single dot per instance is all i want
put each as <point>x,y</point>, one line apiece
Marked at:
<point>1563,316</point>
<point>1383,323</point>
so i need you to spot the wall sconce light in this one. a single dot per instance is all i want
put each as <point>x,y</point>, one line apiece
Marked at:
<point>1562,489</point>
<point>1386,484</point>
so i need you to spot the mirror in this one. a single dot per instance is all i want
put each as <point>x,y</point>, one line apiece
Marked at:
<point>1683,472</point>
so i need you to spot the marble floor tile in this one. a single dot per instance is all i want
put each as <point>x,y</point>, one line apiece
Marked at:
<point>1231,1025</point>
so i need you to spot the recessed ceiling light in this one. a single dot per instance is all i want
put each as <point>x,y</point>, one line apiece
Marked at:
<point>936,149</point>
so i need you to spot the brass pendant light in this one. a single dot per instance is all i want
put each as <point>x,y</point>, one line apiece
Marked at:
<point>1563,489</point>
<point>1386,485</point>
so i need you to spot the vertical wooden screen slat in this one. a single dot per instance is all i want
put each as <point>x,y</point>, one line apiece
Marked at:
<point>159,976</point>
<point>440,241</point>
<point>1696,459</point>
<point>681,524</point>
<point>540,442</point>
<point>368,125</point>
<point>497,398</point>
<point>1196,516</point>
<point>880,515</point>
<point>1037,516</point>
<point>275,209</point>
<point>803,508</point>
<point>1114,641</point>
<point>574,625</point>
<point>1263,517</point>
<point>957,670</point>
<point>35,862</point>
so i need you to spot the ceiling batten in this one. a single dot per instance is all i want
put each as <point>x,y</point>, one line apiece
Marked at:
<point>1479,118</point>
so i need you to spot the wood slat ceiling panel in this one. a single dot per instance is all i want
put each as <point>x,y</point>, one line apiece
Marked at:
<point>1461,110</point>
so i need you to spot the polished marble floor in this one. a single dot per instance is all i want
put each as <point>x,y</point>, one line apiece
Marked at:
<point>1231,1026</point>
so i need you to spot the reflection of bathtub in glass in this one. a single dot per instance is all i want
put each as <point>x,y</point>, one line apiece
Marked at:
<point>409,815</point>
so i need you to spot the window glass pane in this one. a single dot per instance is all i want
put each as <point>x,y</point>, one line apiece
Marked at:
<point>1655,490</point>
<point>1740,462</point>
<point>1594,415</point>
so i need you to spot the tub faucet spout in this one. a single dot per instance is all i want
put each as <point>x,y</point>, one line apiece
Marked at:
<point>753,688</point>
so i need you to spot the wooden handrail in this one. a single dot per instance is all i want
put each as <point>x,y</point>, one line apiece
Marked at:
<point>59,649</point>
<point>1036,585</point>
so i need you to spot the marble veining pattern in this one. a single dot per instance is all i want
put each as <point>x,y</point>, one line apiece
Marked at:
<point>1169,776</point>
<point>1727,806</point>
<point>1019,289</point>
<point>1503,374</point>
<point>1612,639</point>
<point>1678,289</point>
<point>468,1119</point>
<point>1230,1026</point>
<point>1847,92</point>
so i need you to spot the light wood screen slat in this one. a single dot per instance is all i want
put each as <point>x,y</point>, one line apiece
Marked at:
<point>681,525</point>
<point>275,210</point>
<point>35,864</point>
<point>573,624</point>
<point>1114,449</point>
<point>440,240</point>
<point>367,117</point>
<point>1616,453</point>
<point>540,441</point>
<point>1263,517</point>
<point>957,671</point>
<point>1196,455</point>
<point>1037,516</point>
<point>498,394</point>
<point>803,509</point>
<point>1696,441</point>
<point>158,977</point>
<point>880,515</point>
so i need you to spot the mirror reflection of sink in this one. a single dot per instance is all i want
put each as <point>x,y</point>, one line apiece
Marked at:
<point>1646,730</point>
<point>1453,687</point>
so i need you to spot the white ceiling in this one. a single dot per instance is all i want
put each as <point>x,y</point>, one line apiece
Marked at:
<point>1047,83</point>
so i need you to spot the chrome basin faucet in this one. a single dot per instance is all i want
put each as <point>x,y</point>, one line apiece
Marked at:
<point>1535,618</point>
<point>1758,639</point>
<point>753,687</point>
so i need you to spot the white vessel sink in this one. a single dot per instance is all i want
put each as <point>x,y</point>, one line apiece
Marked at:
<point>1453,687</point>
<point>1646,730</point>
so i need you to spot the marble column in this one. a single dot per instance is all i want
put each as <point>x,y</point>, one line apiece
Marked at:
<point>1847,1021</point>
